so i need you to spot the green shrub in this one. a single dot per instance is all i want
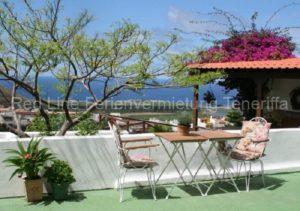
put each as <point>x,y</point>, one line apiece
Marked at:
<point>103,124</point>
<point>235,118</point>
<point>159,128</point>
<point>87,126</point>
<point>59,172</point>
<point>209,97</point>
<point>185,120</point>
<point>38,124</point>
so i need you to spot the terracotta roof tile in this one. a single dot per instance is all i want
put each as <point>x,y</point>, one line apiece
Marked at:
<point>293,63</point>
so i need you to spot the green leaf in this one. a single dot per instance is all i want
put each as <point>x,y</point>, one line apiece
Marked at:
<point>21,148</point>
<point>17,171</point>
<point>13,151</point>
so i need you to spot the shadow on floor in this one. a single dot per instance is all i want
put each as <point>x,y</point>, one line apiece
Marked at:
<point>73,197</point>
<point>256,183</point>
<point>272,183</point>
<point>146,193</point>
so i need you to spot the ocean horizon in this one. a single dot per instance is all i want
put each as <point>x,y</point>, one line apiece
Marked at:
<point>175,94</point>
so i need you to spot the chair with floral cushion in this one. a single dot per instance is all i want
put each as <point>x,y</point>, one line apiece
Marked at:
<point>250,149</point>
<point>136,162</point>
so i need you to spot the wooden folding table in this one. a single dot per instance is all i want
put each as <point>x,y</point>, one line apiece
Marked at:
<point>177,140</point>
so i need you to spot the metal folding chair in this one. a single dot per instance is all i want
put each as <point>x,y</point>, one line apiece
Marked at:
<point>246,159</point>
<point>128,162</point>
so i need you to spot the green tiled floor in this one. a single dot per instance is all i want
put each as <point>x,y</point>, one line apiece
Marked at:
<point>282,193</point>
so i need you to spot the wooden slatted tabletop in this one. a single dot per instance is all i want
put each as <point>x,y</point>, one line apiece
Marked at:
<point>216,135</point>
<point>177,137</point>
<point>199,136</point>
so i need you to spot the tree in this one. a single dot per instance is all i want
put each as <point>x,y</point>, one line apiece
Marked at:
<point>38,43</point>
<point>209,97</point>
<point>239,42</point>
<point>235,118</point>
<point>183,76</point>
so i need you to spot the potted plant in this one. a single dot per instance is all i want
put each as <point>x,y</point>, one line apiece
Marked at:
<point>60,176</point>
<point>30,161</point>
<point>184,124</point>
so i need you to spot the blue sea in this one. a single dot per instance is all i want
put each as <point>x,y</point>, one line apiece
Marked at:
<point>49,84</point>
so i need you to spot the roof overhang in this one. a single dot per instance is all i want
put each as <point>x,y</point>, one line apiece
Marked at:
<point>285,68</point>
<point>292,64</point>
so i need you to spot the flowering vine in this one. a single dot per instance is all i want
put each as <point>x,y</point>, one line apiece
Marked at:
<point>250,45</point>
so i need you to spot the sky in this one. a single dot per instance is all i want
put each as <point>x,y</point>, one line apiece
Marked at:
<point>161,17</point>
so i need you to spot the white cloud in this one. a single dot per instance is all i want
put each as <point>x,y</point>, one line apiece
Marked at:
<point>183,20</point>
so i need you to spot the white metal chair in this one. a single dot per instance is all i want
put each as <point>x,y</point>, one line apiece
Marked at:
<point>128,162</point>
<point>253,151</point>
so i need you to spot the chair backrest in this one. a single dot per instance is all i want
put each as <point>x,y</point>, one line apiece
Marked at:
<point>122,155</point>
<point>259,119</point>
<point>266,125</point>
<point>256,135</point>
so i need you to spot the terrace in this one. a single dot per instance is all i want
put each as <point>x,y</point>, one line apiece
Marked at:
<point>93,159</point>
<point>280,194</point>
<point>67,159</point>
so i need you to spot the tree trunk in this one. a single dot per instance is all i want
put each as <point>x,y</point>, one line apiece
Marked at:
<point>72,122</point>
<point>19,133</point>
<point>44,114</point>
<point>64,128</point>
<point>15,116</point>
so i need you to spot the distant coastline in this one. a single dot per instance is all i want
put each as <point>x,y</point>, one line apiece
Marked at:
<point>48,84</point>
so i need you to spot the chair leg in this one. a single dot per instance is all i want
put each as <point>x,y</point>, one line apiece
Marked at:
<point>223,176</point>
<point>248,176</point>
<point>239,168</point>
<point>119,179</point>
<point>153,184</point>
<point>122,181</point>
<point>151,181</point>
<point>262,172</point>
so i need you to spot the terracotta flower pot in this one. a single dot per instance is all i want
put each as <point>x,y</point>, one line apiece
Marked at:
<point>34,190</point>
<point>183,130</point>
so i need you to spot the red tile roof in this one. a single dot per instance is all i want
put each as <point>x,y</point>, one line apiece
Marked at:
<point>293,63</point>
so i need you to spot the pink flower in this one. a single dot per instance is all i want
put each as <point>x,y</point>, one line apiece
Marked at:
<point>28,156</point>
<point>250,46</point>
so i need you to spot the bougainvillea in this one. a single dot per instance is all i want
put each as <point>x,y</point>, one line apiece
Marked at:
<point>250,45</point>
<point>243,42</point>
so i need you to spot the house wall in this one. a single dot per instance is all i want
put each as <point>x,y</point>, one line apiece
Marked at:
<point>94,159</point>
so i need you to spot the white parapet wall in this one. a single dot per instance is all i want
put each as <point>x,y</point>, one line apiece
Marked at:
<point>94,159</point>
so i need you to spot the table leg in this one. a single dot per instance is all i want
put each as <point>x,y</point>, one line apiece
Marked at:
<point>171,156</point>
<point>186,163</point>
<point>223,166</point>
<point>205,161</point>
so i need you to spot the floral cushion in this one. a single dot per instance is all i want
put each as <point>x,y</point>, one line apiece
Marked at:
<point>140,161</point>
<point>262,132</point>
<point>243,143</point>
<point>255,136</point>
<point>257,147</point>
<point>247,144</point>
<point>244,155</point>
<point>248,129</point>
